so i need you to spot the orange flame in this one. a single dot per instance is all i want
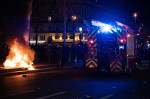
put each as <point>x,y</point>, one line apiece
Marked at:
<point>19,56</point>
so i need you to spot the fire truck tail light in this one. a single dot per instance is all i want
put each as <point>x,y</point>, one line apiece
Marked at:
<point>128,35</point>
<point>121,40</point>
<point>91,41</point>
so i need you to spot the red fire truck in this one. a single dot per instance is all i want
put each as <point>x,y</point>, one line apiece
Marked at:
<point>110,48</point>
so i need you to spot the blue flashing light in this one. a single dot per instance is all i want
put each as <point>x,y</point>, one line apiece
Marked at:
<point>104,28</point>
<point>119,29</point>
<point>111,32</point>
<point>114,30</point>
<point>121,46</point>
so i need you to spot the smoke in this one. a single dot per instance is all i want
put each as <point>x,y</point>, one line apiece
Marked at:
<point>15,23</point>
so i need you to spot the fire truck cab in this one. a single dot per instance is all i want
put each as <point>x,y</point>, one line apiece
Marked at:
<point>110,48</point>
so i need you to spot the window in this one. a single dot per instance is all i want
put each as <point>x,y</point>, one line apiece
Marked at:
<point>42,37</point>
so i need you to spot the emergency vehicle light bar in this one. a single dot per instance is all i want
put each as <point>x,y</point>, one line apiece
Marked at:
<point>104,28</point>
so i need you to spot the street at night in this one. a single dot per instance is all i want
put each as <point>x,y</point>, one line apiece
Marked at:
<point>74,49</point>
<point>75,83</point>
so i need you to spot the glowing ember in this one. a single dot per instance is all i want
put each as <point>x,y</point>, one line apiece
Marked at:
<point>20,55</point>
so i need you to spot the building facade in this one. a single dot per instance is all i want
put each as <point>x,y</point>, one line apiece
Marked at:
<point>47,20</point>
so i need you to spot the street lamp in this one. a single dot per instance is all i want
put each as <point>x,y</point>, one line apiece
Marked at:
<point>74,18</point>
<point>135,16</point>
<point>80,29</point>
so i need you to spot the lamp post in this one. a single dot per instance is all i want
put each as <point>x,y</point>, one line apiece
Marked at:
<point>135,16</point>
<point>80,36</point>
<point>74,18</point>
<point>137,31</point>
<point>136,27</point>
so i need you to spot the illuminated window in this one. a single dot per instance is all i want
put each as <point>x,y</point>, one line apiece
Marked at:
<point>77,38</point>
<point>53,37</point>
<point>83,38</point>
<point>60,37</point>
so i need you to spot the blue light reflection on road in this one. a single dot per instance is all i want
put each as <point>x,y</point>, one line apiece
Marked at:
<point>110,87</point>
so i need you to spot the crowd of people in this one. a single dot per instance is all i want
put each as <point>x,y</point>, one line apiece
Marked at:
<point>144,55</point>
<point>59,54</point>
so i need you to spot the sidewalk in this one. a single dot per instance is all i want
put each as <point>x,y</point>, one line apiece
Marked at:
<point>4,71</point>
<point>79,63</point>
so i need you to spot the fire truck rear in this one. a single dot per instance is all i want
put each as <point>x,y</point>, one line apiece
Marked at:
<point>110,48</point>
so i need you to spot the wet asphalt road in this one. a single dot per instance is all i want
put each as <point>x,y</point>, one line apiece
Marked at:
<point>75,83</point>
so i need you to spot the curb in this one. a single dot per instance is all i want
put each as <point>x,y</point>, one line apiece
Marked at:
<point>28,71</point>
<point>35,71</point>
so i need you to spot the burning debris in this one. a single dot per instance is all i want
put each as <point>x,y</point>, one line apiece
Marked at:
<point>20,53</point>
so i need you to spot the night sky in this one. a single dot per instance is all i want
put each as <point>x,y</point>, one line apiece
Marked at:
<point>12,11</point>
<point>125,8</point>
<point>12,18</point>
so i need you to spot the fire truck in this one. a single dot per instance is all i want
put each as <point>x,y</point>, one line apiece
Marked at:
<point>111,48</point>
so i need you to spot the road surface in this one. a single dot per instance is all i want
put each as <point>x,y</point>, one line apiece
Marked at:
<point>75,83</point>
